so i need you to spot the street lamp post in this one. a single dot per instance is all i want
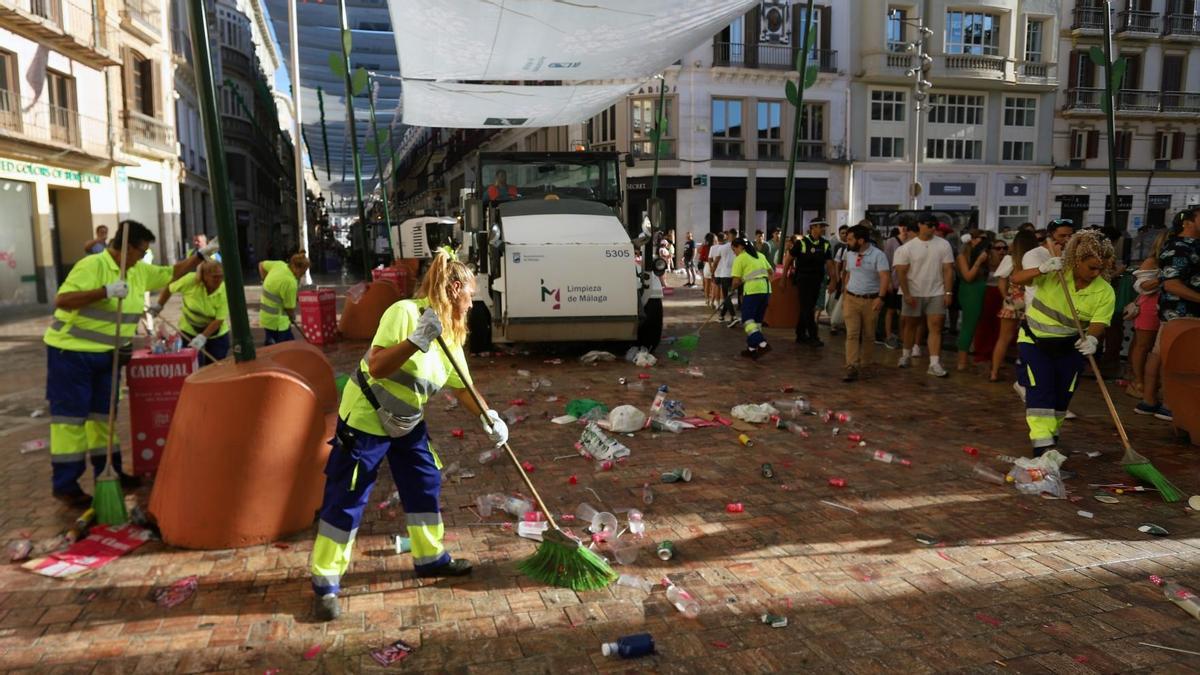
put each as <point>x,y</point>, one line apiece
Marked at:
<point>921,86</point>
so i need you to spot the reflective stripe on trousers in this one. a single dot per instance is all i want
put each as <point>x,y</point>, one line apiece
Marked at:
<point>350,476</point>
<point>78,388</point>
<point>1051,384</point>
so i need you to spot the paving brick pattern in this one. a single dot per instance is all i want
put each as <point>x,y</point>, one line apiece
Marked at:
<point>1014,584</point>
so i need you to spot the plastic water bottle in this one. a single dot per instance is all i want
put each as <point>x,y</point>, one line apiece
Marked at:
<point>887,458</point>
<point>637,526</point>
<point>657,405</point>
<point>634,581</point>
<point>793,427</point>
<point>515,506</point>
<point>673,426</point>
<point>792,407</point>
<point>988,474</point>
<point>490,455</point>
<point>683,601</point>
<point>630,646</point>
<point>1183,596</point>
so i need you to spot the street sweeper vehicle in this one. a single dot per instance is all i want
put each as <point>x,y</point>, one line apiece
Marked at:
<point>554,262</point>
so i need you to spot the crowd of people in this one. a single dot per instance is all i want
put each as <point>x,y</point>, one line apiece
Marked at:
<point>988,291</point>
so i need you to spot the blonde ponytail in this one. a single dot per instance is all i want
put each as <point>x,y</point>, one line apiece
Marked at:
<point>435,286</point>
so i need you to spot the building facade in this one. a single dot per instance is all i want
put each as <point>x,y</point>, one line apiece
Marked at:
<point>983,137</point>
<point>1157,139</point>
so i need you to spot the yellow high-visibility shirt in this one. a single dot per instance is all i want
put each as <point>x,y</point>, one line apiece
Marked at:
<point>278,295</point>
<point>755,273</point>
<point>407,390</point>
<point>94,328</point>
<point>1049,315</point>
<point>200,307</point>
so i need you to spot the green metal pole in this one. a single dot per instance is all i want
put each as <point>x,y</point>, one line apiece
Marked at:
<point>206,90</point>
<point>1110,117</point>
<point>324,132</point>
<point>358,187</point>
<point>648,252</point>
<point>791,172</point>
<point>387,217</point>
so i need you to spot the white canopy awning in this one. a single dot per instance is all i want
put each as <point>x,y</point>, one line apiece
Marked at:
<point>485,106</point>
<point>551,39</point>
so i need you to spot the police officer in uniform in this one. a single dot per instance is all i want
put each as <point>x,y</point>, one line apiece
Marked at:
<point>807,263</point>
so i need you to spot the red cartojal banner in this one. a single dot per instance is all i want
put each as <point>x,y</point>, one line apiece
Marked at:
<point>155,381</point>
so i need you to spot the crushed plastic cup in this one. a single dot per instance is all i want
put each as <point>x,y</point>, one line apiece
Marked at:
<point>986,473</point>
<point>855,438</point>
<point>735,507</point>
<point>587,513</point>
<point>572,479</point>
<point>647,494</point>
<point>488,503</point>
<point>606,524</point>
<point>971,450</point>
<point>842,417</point>
<point>837,482</point>
<point>625,550</point>
<point>637,526</point>
<point>532,530</point>
<point>528,466</point>
<point>490,455</point>
<point>605,465</point>
<point>632,581</point>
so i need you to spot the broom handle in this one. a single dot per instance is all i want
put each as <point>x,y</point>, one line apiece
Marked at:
<point>116,361</point>
<point>1112,409</point>
<point>512,455</point>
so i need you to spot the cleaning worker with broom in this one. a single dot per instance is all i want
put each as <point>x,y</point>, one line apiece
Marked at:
<point>752,273</point>
<point>80,346</point>
<point>205,310</point>
<point>382,415</point>
<point>1051,347</point>
<point>277,310</point>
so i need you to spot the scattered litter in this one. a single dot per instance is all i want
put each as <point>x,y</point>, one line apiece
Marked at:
<point>177,593</point>
<point>1092,454</point>
<point>523,373</point>
<point>555,362</point>
<point>666,550</point>
<point>630,646</point>
<point>986,473</point>
<point>312,652</point>
<point>637,526</point>
<point>402,544</point>
<point>38,412</point>
<point>595,356</point>
<point>1151,528</point>
<point>1194,502</point>
<point>1170,649</point>
<point>644,359</point>
<point>1085,514</point>
<point>755,413</point>
<point>633,581</point>
<point>533,530</point>
<point>694,371</point>
<point>943,556</point>
<point>393,653</point>
<point>927,540</point>
<point>677,475</point>
<point>719,644</point>
<point>794,427</point>
<point>767,471</point>
<point>775,621</point>
<point>835,505</point>
<point>19,550</point>
<point>572,479</point>
<point>735,507</point>
<point>594,494</point>
<point>746,440</point>
<point>512,415</point>
<point>856,438</point>
<point>528,466</point>
<point>598,445</point>
<point>565,419</point>
<point>34,445</point>
<point>1041,475</point>
<point>1106,499</point>
<point>580,407</point>
<point>888,458</point>
<point>971,450</point>
<point>624,419</point>
<point>989,620</point>
<point>103,545</point>
<point>837,482</point>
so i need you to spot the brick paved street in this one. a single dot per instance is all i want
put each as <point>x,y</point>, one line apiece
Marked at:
<point>1016,584</point>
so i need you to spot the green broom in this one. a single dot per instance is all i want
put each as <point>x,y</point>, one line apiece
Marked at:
<point>559,560</point>
<point>108,500</point>
<point>1135,464</point>
<point>690,341</point>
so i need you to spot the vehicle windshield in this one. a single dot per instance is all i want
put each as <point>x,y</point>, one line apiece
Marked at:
<point>511,180</point>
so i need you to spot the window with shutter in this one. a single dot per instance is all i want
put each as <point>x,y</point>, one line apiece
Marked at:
<point>1093,144</point>
<point>1161,151</point>
<point>1073,71</point>
<point>1177,139</point>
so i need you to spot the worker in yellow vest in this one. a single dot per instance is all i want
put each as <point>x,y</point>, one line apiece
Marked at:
<point>281,283</point>
<point>1051,350</point>
<point>752,273</point>
<point>79,349</point>
<point>382,415</point>
<point>205,323</point>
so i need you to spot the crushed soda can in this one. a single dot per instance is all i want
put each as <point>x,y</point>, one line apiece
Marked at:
<point>393,653</point>
<point>666,550</point>
<point>177,593</point>
<point>735,507</point>
<point>677,475</point>
<point>746,440</point>
<point>775,621</point>
<point>856,438</point>
<point>674,409</point>
<point>837,482</point>
<point>768,471</point>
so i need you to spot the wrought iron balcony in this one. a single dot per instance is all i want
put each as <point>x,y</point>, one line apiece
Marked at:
<point>36,121</point>
<point>1182,25</point>
<point>1088,18</point>
<point>1138,22</point>
<point>143,132</point>
<point>1084,98</point>
<point>810,151</point>
<point>144,16</point>
<point>1134,100</point>
<point>1180,102</point>
<point>772,56</point>
<point>236,61</point>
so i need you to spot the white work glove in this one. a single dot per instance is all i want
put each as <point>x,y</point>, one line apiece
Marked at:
<point>209,249</point>
<point>429,327</point>
<point>117,289</point>
<point>198,342</point>
<point>154,309</point>
<point>1051,265</point>
<point>1087,345</point>
<point>495,427</point>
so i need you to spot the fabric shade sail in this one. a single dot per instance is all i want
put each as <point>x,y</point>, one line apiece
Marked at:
<point>483,106</point>
<point>551,39</point>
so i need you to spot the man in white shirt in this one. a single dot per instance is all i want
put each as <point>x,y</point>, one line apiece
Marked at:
<point>925,267</point>
<point>722,255</point>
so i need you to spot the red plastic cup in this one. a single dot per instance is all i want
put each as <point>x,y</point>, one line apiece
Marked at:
<point>735,507</point>
<point>971,450</point>
<point>572,480</point>
<point>837,482</point>
<point>855,437</point>
<point>457,433</point>
<point>527,466</point>
<point>643,376</point>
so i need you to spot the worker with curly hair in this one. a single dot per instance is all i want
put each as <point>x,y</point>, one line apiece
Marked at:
<point>1051,350</point>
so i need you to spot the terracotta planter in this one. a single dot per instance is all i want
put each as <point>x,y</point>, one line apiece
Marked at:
<point>784,307</point>
<point>360,317</point>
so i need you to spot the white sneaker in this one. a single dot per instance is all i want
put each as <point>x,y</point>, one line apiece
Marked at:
<point>904,362</point>
<point>916,352</point>
<point>1020,390</point>
<point>936,370</point>
<point>735,322</point>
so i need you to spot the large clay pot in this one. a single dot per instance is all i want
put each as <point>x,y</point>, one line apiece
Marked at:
<point>360,316</point>
<point>784,306</point>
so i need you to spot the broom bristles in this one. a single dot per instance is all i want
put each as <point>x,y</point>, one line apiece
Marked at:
<point>109,502</point>
<point>568,566</point>
<point>1145,471</point>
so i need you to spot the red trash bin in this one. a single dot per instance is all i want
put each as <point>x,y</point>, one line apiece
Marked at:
<point>318,315</point>
<point>155,381</point>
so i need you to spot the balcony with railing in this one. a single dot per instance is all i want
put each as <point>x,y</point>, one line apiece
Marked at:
<point>770,56</point>
<point>810,151</point>
<point>236,62</point>
<point>1182,26</point>
<point>1136,23</point>
<point>1088,19</point>
<point>1136,100</point>
<point>37,121</point>
<point>1084,99</point>
<point>148,135</point>
<point>1180,102</point>
<point>181,45</point>
<point>976,63</point>
<point>143,17</point>
<point>1037,72</point>
<point>64,25</point>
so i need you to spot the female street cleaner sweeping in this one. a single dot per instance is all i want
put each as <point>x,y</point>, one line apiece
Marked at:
<point>1048,341</point>
<point>382,414</point>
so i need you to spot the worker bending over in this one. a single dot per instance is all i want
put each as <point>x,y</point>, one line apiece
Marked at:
<point>382,414</point>
<point>205,321</point>
<point>277,311</point>
<point>1049,344</point>
<point>79,352</point>
<point>752,273</point>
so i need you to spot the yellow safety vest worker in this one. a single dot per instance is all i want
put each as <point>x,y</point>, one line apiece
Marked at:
<point>94,328</point>
<point>1049,315</point>
<point>755,273</point>
<point>278,295</point>
<point>200,307</point>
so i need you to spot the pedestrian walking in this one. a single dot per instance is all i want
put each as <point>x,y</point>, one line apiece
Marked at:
<point>689,257</point>
<point>706,269</point>
<point>1052,352</point>
<point>1144,313</point>
<point>277,311</point>
<point>1012,309</point>
<point>752,273</point>
<point>866,279</point>
<point>79,352</point>
<point>806,265</point>
<point>205,323</point>
<point>723,273</point>
<point>891,304</point>
<point>972,267</point>
<point>925,266</point>
<point>382,415</point>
